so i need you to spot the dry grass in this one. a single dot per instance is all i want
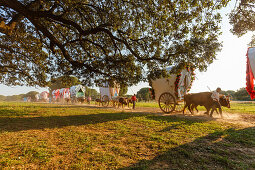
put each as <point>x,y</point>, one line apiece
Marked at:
<point>34,136</point>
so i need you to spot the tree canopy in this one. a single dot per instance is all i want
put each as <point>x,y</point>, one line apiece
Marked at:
<point>242,18</point>
<point>99,40</point>
<point>123,90</point>
<point>92,93</point>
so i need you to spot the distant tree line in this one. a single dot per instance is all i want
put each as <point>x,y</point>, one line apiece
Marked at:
<point>58,83</point>
<point>239,95</point>
<point>19,97</point>
<point>89,92</point>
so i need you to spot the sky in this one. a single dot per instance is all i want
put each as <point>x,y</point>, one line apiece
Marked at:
<point>228,71</point>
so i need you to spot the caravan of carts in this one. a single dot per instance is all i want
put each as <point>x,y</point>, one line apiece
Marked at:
<point>74,94</point>
<point>168,92</point>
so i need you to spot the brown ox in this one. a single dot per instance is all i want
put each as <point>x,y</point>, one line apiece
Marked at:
<point>224,101</point>
<point>67,100</point>
<point>129,100</point>
<point>122,101</point>
<point>98,101</point>
<point>204,99</point>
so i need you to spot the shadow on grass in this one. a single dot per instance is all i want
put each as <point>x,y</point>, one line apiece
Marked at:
<point>27,123</point>
<point>13,111</point>
<point>226,149</point>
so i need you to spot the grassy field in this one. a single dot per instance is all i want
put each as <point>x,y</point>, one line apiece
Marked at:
<point>51,136</point>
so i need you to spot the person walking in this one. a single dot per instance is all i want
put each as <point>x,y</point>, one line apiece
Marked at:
<point>89,99</point>
<point>216,98</point>
<point>216,94</point>
<point>133,98</point>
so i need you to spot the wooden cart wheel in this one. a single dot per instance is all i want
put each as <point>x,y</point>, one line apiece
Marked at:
<point>167,102</point>
<point>179,106</point>
<point>105,100</point>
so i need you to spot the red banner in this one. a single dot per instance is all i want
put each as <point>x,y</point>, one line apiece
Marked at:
<point>249,79</point>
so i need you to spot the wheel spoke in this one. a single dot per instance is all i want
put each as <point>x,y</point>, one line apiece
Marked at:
<point>163,106</point>
<point>166,109</point>
<point>170,108</point>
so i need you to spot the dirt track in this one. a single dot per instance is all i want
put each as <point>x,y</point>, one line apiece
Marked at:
<point>245,120</point>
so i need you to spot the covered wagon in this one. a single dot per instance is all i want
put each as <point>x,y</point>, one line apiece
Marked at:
<point>77,93</point>
<point>44,96</point>
<point>37,97</point>
<point>55,95</point>
<point>65,94</point>
<point>109,93</point>
<point>169,92</point>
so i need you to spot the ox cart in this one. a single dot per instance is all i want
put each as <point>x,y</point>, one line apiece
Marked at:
<point>65,95</point>
<point>109,93</point>
<point>77,93</point>
<point>44,96</point>
<point>169,92</point>
<point>55,95</point>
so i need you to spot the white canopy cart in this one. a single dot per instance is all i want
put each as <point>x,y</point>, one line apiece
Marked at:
<point>77,93</point>
<point>65,94</point>
<point>109,93</point>
<point>169,92</point>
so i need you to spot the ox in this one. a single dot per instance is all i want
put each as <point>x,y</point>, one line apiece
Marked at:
<point>224,101</point>
<point>98,101</point>
<point>204,99</point>
<point>129,100</point>
<point>122,101</point>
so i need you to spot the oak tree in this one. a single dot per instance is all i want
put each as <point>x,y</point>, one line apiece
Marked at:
<point>32,95</point>
<point>144,94</point>
<point>95,40</point>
